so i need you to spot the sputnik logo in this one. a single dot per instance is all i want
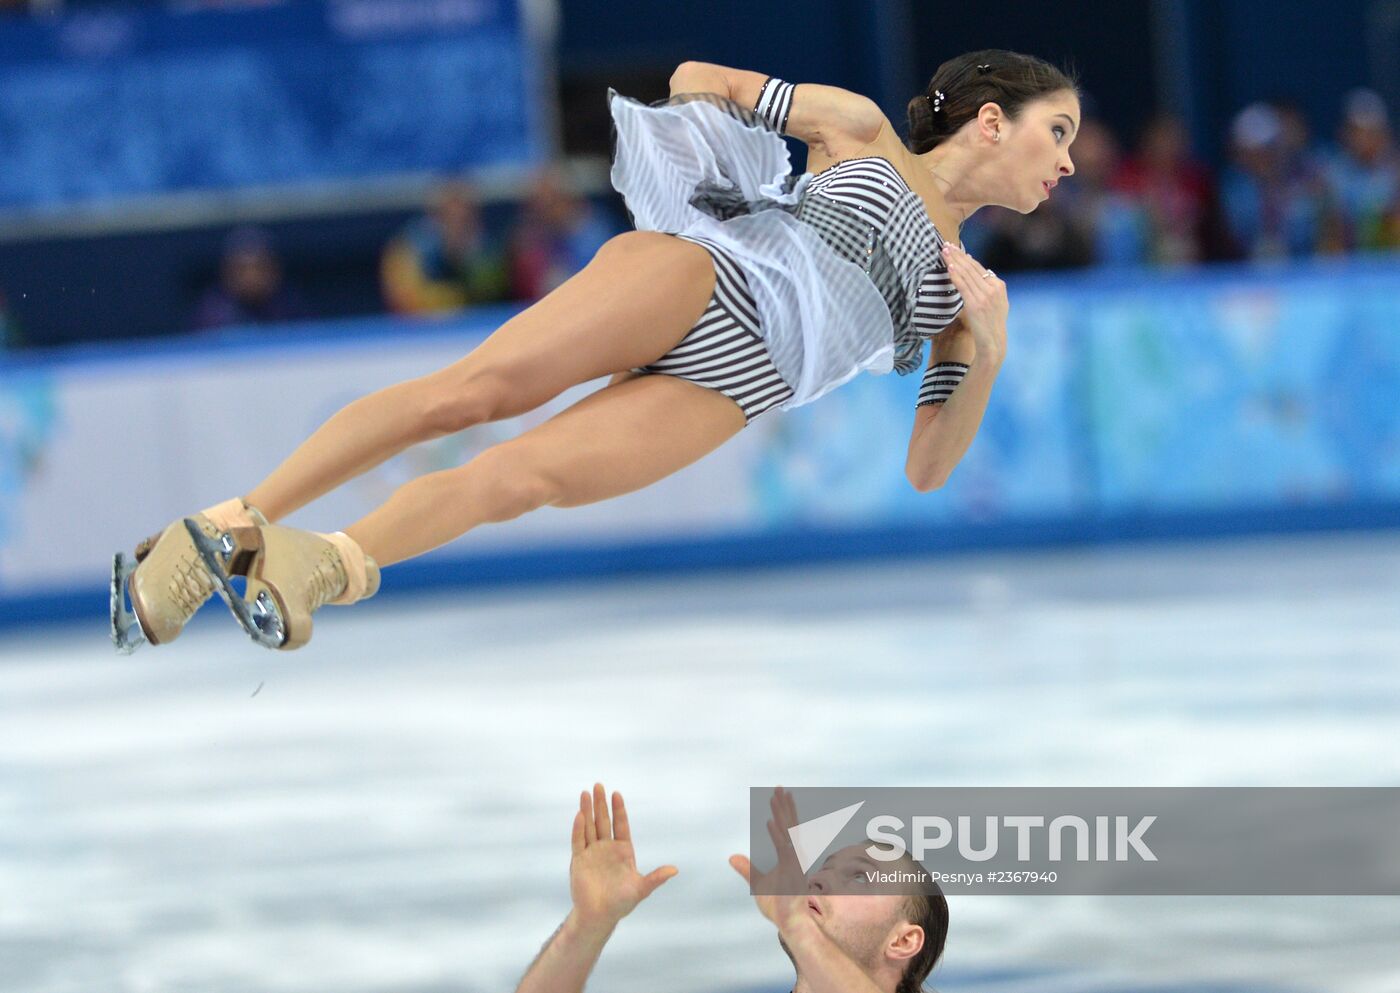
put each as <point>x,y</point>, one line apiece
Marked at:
<point>811,838</point>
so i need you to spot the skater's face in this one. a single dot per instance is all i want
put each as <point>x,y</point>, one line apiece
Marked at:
<point>872,928</point>
<point>1033,152</point>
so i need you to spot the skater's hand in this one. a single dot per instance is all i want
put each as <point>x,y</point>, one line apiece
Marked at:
<point>787,904</point>
<point>603,877</point>
<point>985,305</point>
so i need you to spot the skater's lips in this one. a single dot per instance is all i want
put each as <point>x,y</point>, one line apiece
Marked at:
<point>812,903</point>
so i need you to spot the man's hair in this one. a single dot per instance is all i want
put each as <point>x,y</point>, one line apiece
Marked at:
<point>928,909</point>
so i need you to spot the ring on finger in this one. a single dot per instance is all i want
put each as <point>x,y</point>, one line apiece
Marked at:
<point>988,274</point>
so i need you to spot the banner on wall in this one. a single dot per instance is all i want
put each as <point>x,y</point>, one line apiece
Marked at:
<point>110,103</point>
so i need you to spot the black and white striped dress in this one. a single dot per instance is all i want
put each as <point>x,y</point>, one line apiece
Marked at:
<point>818,277</point>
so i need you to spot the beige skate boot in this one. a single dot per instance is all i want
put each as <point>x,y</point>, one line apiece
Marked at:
<point>155,596</point>
<point>290,574</point>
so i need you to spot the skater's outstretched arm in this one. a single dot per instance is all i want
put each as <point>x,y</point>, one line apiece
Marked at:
<point>943,432</point>
<point>827,118</point>
<point>605,886</point>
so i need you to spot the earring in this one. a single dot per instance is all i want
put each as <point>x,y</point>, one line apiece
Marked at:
<point>996,136</point>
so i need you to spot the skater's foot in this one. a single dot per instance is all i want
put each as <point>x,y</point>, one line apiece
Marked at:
<point>154,597</point>
<point>290,574</point>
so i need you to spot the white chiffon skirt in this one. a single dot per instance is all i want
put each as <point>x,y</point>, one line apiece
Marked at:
<point>702,165</point>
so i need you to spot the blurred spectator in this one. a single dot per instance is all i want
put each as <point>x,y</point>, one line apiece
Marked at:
<point>1115,223</point>
<point>250,288</point>
<point>558,235</point>
<point>445,260</point>
<point>1177,194</point>
<point>1049,237</point>
<point>10,334</point>
<point>1305,164</point>
<point>1277,203</point>
<point>1087,221</point>
<point>1364,175</point>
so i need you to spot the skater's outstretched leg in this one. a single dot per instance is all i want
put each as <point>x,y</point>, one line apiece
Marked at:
<point>638,296</point>
<point>616,440</point>
<point>630,305</point>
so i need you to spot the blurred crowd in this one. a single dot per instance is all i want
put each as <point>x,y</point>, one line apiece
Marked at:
<point>448,259</point>
<point>442,262</point>
<point>1283,194</point>
<point>10,334</point>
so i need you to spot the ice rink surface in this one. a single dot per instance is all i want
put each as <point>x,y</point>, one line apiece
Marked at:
<point>389,809</point>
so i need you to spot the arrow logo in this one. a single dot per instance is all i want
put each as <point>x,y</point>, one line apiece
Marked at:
<point>811,838</point>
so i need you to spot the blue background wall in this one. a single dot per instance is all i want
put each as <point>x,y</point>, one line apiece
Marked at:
<point>1131,404</point>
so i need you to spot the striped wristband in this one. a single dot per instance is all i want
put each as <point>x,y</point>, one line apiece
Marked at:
<point>940,381</point>
<point>775,103</point>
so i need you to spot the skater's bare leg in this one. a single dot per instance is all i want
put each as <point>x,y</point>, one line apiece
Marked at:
<point>629,306</point>
<point>621,438</point>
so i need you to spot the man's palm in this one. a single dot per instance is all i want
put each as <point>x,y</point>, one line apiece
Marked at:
<point>604,880</point>
<point>603,877</point>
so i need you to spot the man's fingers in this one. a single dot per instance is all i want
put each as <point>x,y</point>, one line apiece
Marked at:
<point>600,812</point>
<point>585,806</point>
<point>791,808</point>
<point>742,867</point>
<point>622,831</point>
<point>655,878</point>
<point>578,839</point>
<point>781,839</point>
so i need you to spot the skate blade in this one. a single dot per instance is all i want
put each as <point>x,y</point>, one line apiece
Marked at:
<point>260,617</point>
<point>127,635</point>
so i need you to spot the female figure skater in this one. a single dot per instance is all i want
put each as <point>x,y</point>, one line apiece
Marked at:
<point>744,289</point>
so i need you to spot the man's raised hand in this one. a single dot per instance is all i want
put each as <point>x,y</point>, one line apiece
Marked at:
<point>788,900</point>
<point>603,877</point>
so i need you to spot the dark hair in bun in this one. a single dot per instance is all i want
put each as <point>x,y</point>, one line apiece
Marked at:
<point>962,85</point>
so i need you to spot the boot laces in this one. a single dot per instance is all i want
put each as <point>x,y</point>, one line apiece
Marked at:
<point>190,585</point>
<point>328,579</point>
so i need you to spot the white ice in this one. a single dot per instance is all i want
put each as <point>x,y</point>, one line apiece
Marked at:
<point>389,809</point>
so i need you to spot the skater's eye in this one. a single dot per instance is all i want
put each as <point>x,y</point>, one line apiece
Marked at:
<point>1059,133</point>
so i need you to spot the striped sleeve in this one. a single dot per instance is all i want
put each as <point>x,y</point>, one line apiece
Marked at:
<point>775,103</point>
<point>940,381</point>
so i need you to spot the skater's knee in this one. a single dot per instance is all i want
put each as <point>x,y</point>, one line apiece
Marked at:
<point>512,482</point>
<point>453,401</point>
<point>634,243</point>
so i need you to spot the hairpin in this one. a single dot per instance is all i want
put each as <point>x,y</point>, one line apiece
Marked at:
<point>984,68</point>
<point>937,101</point>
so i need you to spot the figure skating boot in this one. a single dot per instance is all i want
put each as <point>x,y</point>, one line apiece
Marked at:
<point>154,596</point>
<point>290,573</point>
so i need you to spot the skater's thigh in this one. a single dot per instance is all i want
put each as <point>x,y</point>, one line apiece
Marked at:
<point>623,437</point>
<point>630,305</point>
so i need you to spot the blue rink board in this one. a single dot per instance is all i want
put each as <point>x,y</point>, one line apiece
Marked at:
<point>1131,406</point>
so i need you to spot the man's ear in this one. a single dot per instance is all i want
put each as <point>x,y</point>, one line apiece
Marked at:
<point>907,943</point>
